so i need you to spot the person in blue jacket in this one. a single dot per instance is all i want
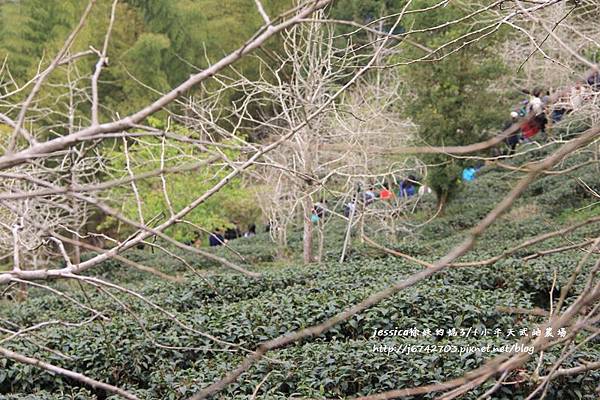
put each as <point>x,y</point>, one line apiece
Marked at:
<point>468,174</point>
<point>407,187</point>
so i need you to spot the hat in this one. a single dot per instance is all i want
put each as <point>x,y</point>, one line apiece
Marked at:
<point>514,114</point>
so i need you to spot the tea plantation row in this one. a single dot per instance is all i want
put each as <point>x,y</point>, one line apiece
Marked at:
<point>148,353</point>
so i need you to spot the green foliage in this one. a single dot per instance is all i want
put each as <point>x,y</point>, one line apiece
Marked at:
<point>201,32</point>
<point>174,38</point>
<point>238,309</point>
<point>33,31</point>
<point>454,103</point>
<point>28,27</point>
<point>232,204</point>
<point>339,363</point>
<point>151,48</point>
<point>365,10</point>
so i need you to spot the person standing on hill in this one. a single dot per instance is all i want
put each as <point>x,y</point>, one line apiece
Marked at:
<point>468,174</point>
<point>349,208</point>
<point>216,238</point>
<point>369,196</point>
<point>424,190</point>
<point>384,193</point>
<point>232,233</point>
<point>319,208</point>
<point>594,81</point>
<point>251,231</point>
<point>314,218</point>
<point>407,187</point>
<point>529,129</point>
<point>535,108</point>
<point>560,108</point>
<point>512,140</point>
<point>535,104</point>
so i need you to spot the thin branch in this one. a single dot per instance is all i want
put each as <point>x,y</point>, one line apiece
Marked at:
<point>65,372</point>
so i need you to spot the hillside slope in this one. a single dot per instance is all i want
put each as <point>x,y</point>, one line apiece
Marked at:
<point>148,353</point>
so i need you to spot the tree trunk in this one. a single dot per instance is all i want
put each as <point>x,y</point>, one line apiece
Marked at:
<point>308,231</point>
<point>76,250</point>
<point>321,242</point>
<point>348,232</point>
<point>281,238</point>
<point>442,201</point>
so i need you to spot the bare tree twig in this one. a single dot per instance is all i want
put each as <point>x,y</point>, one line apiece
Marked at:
<point>65,372</point>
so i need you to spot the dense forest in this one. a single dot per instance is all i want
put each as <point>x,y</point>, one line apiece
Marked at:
<point>244,199</point>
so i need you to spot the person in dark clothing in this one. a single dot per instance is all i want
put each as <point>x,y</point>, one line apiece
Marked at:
<point>558,114</point>
<point>541,120</point>
<point>319,208</point>
<point>512,140</point>
<point>350,207</point>
<point>369,196</point>
<point>594,80</point>
<point>251,231</point>
<point>232,233</point>
<point>216,238</point>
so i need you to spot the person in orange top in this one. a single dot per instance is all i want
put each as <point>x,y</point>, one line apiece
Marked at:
<point>384,193</point>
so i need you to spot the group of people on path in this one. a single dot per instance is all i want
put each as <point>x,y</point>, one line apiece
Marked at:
<point>540,112</point>
<point>537,107</point>
<point>220,236</point>
<point>408,187</point>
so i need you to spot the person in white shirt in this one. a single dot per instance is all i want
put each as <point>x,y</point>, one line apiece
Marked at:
<point>535,105</point>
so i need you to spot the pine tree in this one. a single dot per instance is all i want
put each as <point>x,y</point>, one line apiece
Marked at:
<point>454,103</point>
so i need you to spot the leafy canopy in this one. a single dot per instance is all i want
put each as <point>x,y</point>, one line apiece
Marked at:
<point>234,203</point>
<point>455,100</point>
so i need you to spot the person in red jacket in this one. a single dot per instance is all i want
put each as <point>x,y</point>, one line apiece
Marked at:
<point>537,117</point>
<point>530,129</point>
<point>384,193</point>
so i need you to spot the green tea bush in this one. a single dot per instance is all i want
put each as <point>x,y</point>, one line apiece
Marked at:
<point>251,311</point>
<point>146,352</point>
